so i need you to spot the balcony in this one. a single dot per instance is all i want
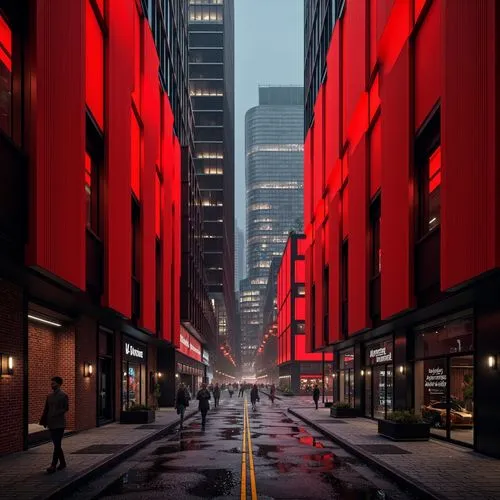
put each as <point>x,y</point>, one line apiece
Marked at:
<point>14,199</point>
<point>94,265</point>
<point>136,299</point>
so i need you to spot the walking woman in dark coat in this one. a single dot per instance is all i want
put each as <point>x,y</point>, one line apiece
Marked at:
<point>254,396</point>
<point>203,397</point>
<point>316,395</point>
<point>181,402</point>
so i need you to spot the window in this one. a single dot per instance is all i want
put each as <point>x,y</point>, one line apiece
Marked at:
<point>5,76</point>
<point>136,239</point>
<point>92,193</point>
<point>428,171</point>
<point>376,262</point>
<point>136,153</point>
<point>344,285</point>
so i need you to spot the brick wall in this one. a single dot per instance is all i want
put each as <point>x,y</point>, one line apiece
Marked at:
<point>51,352</point>
<point>86,387</point>
<point>11,388</point>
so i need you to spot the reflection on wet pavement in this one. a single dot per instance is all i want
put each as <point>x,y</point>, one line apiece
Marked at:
<point>291,462</point>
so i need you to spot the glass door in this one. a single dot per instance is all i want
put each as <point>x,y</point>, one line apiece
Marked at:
<point>382,390</point>
<point>105,400</point>
<point>461,409</point>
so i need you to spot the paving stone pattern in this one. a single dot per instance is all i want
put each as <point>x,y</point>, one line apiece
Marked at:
<point>22,475</point>
<point>444,469</point>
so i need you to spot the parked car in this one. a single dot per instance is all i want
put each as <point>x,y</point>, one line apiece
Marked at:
<point>435,414</point>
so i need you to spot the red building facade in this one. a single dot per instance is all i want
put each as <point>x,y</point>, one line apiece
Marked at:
<point>299,369</point>
<point>400,212</point>
<point>89,212</point>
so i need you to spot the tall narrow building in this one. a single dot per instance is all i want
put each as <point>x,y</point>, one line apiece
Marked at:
<point>274,200</point>
<point>239,256</point>
<point>211,76</point>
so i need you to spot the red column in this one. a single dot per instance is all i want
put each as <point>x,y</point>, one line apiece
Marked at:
<point>118,224</point>
<point>318,285</point>
<point>151,121</point>
<point>57,230</point>
<point>397,200</point>
<point>334,258</point>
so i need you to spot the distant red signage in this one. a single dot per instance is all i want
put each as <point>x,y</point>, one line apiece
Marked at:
<point>189,345</point>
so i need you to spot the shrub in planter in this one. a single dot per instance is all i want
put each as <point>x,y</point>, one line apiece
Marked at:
<point>137,414</point>
<point>341,409</point>
<point>404,426</point>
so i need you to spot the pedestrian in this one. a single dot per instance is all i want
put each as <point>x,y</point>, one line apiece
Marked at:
<point>316,395</point>
<point>272,393</point>
<point>54,417</point>
<point>203,397</point>
<point>242,391</point>
<point>181,403</point>
<point>216,394</point>
<point>231,391</point>
<point>254,396</point>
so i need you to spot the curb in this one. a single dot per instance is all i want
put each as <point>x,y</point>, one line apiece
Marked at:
<point>89,473</point>
<point>399,477</point>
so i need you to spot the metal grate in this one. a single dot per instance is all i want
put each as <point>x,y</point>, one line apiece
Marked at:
<point>383,449</point>
<point>100,449</point>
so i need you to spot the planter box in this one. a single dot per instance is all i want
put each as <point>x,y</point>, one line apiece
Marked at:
<point>403,432</point>
<point>137,417</point>
<point>343,412</point>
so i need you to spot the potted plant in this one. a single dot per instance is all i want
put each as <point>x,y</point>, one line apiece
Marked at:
<point>157,395</point>
<point>342,409</point>
<point>404,426</point>
<point>137,414</point>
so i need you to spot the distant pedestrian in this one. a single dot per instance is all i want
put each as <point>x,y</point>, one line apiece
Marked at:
<point>254,396</point>
<point>272,394</point>
<point>216,394</point>
<point>316,395</point>
<point>242,391</point>
<point>54,417</point>
<point>182,402</point>
<point>203,397</point>
<point>231,391</point>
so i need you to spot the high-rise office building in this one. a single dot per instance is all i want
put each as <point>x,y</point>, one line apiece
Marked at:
<point>211,76</point>
<point>274,157</point>
<point>239,256</point>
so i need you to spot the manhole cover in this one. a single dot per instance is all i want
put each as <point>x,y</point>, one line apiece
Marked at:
<point>100,449</point>
<point>383,449</point>
<point>150,426</point>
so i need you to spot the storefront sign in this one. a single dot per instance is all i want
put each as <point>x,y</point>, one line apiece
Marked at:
<point>435,381</point>
<point>206,357</point>
<point>380,355</point>
<point>134,351</point>
<point>189,345</point>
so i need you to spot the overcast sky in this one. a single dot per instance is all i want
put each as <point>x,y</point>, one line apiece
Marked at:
<point>269,48</point>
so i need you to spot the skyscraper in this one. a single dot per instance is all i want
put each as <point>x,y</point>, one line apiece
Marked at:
<point>211,76</point>
<point>239,256</point>
<point>274,156</point>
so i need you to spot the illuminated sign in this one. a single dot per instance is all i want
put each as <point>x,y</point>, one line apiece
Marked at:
<point>189,345</point>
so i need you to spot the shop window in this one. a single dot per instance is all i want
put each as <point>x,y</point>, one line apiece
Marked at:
<point>346,376</point>
<point>94,66</point>
<point>428,162</point>
<point>5,76</point>
<point>344,287</point>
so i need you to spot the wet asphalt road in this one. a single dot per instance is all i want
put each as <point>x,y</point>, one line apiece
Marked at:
<point>291,461</point>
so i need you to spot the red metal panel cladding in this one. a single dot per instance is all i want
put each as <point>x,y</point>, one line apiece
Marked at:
<point>167,222</point>
<point>469,209</point>
<point>307,178</point>
<point>151,121</point>
<point>309,311</point>
<point>319,148</point>
<point>318,263</point>
<point>428,63</point>
<point>118,224</point>
<point>396,213</point>
<point>334,259</point>
<point>354,64</point>
<point>332,104</point>
<point>375,157</point>
<point>358,270</point>
<point>57,220</point>
<point>176,240</point>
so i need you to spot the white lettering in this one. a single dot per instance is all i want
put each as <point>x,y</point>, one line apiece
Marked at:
<point>381,355</point>
<point>184,341</point>
<point>132,351</point>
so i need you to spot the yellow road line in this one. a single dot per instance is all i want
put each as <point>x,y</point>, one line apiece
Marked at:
<point>243,495</point>
<point>253,485</point>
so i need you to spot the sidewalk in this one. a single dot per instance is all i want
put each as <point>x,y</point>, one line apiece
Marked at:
<point>437,469</point>
<point>22,474</point>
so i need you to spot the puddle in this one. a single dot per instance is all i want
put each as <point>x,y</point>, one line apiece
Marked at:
<point>182,445</point>
<point>264,450</point>
<point>310,441</point>
<point>229,433</point>
<point>217,482</point>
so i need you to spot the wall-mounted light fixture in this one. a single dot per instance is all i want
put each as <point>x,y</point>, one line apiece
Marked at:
<point>334,375</point>
<point>6,365</point>
<point>368,372</point>
<point>42,320</point>
<point>362,373</point>
<point>176,375</point>
<point>88,369</point>
<point>159,374</point>
<point>401,369</point>
<point>492,362</point>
